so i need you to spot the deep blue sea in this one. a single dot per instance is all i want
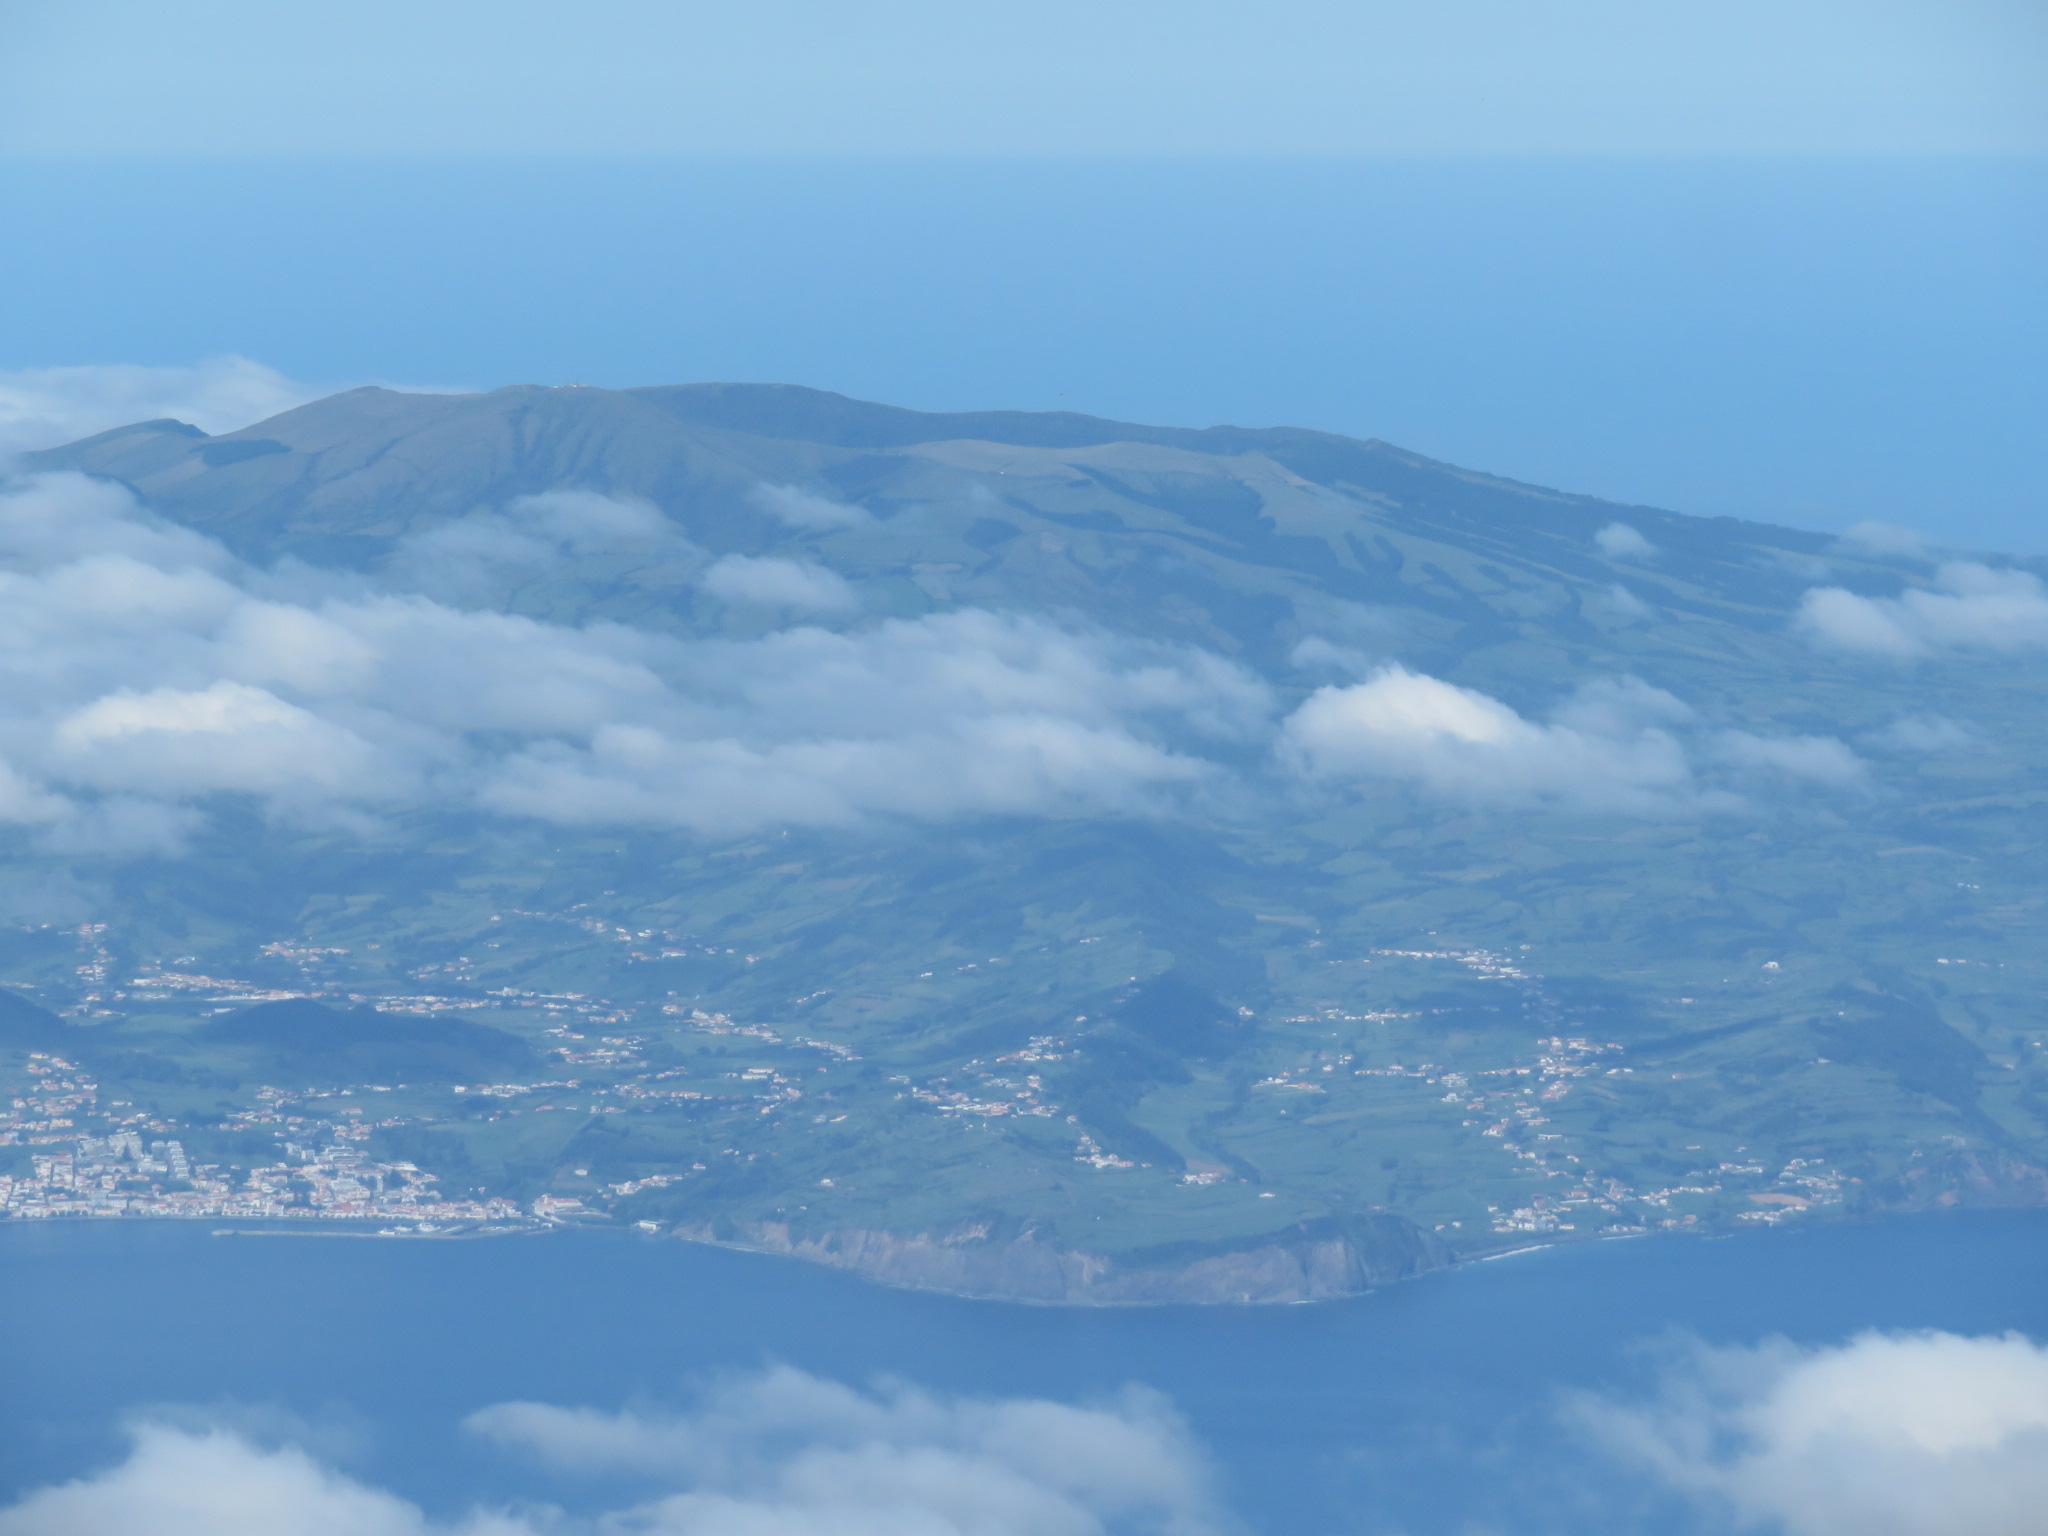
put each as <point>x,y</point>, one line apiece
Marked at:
<point>1432,1407</point>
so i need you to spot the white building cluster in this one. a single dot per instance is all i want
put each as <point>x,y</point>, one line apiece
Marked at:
<point>124,1171</point>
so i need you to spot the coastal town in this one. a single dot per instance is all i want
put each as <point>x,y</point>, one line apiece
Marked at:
<point>136,1168</point>
<point>89,1157</point>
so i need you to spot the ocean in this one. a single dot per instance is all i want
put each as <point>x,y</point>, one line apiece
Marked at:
<point>1438,1406</point>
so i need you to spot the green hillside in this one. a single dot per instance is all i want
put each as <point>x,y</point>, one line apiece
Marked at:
<point>1679,906</point>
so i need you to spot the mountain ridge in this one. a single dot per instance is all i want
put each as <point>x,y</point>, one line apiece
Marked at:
<point>322,423</point>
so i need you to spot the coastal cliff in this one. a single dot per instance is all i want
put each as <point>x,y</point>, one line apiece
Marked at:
<point>1963,1180</point>
<point>1311,1261</point>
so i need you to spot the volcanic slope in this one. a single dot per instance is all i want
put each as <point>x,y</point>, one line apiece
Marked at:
<point>1435,860</point>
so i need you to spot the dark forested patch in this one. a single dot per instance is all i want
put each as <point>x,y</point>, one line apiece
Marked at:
<point>300,1040</point>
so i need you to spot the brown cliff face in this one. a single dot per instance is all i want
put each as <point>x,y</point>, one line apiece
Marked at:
<point>1315,1261</point>
<point>1964,1180</point>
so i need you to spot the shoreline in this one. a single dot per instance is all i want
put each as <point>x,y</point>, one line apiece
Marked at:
<point>810,1254</point>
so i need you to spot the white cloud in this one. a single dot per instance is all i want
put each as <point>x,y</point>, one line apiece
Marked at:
<point>23,802</point>
<point>1464,745</point>
<point>225,737</point>
<point>54,519</point>
<point>308,652</point>
<point>1617,745</point>
<point>1916,1434</point>
<point>143,669</point>
<point>180,1482</point>
<point>136,681</point>
<point>483,557</point>
<point>897,1459</point>
<point>1618,541</point>
<point>1617,706</point>
<point>1969,606</point>
<point>1347,638</point>
<point>950,715</point>
<point>1018,766</point>
<point>1839,618</point>
<point>801,509</point>
<point>776,1454</point>
<point>44,407</point>
<point>771,582</point>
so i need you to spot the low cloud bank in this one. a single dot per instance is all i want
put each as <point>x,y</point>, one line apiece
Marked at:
<point>143,668</point>
<point>1912,1434</point>
<point>44,407</point>
<point>1969,607</point>
<point>777,1454</point>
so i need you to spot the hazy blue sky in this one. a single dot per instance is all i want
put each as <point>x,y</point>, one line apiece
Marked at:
<point>1779,259</point>
<point>967,77</point>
